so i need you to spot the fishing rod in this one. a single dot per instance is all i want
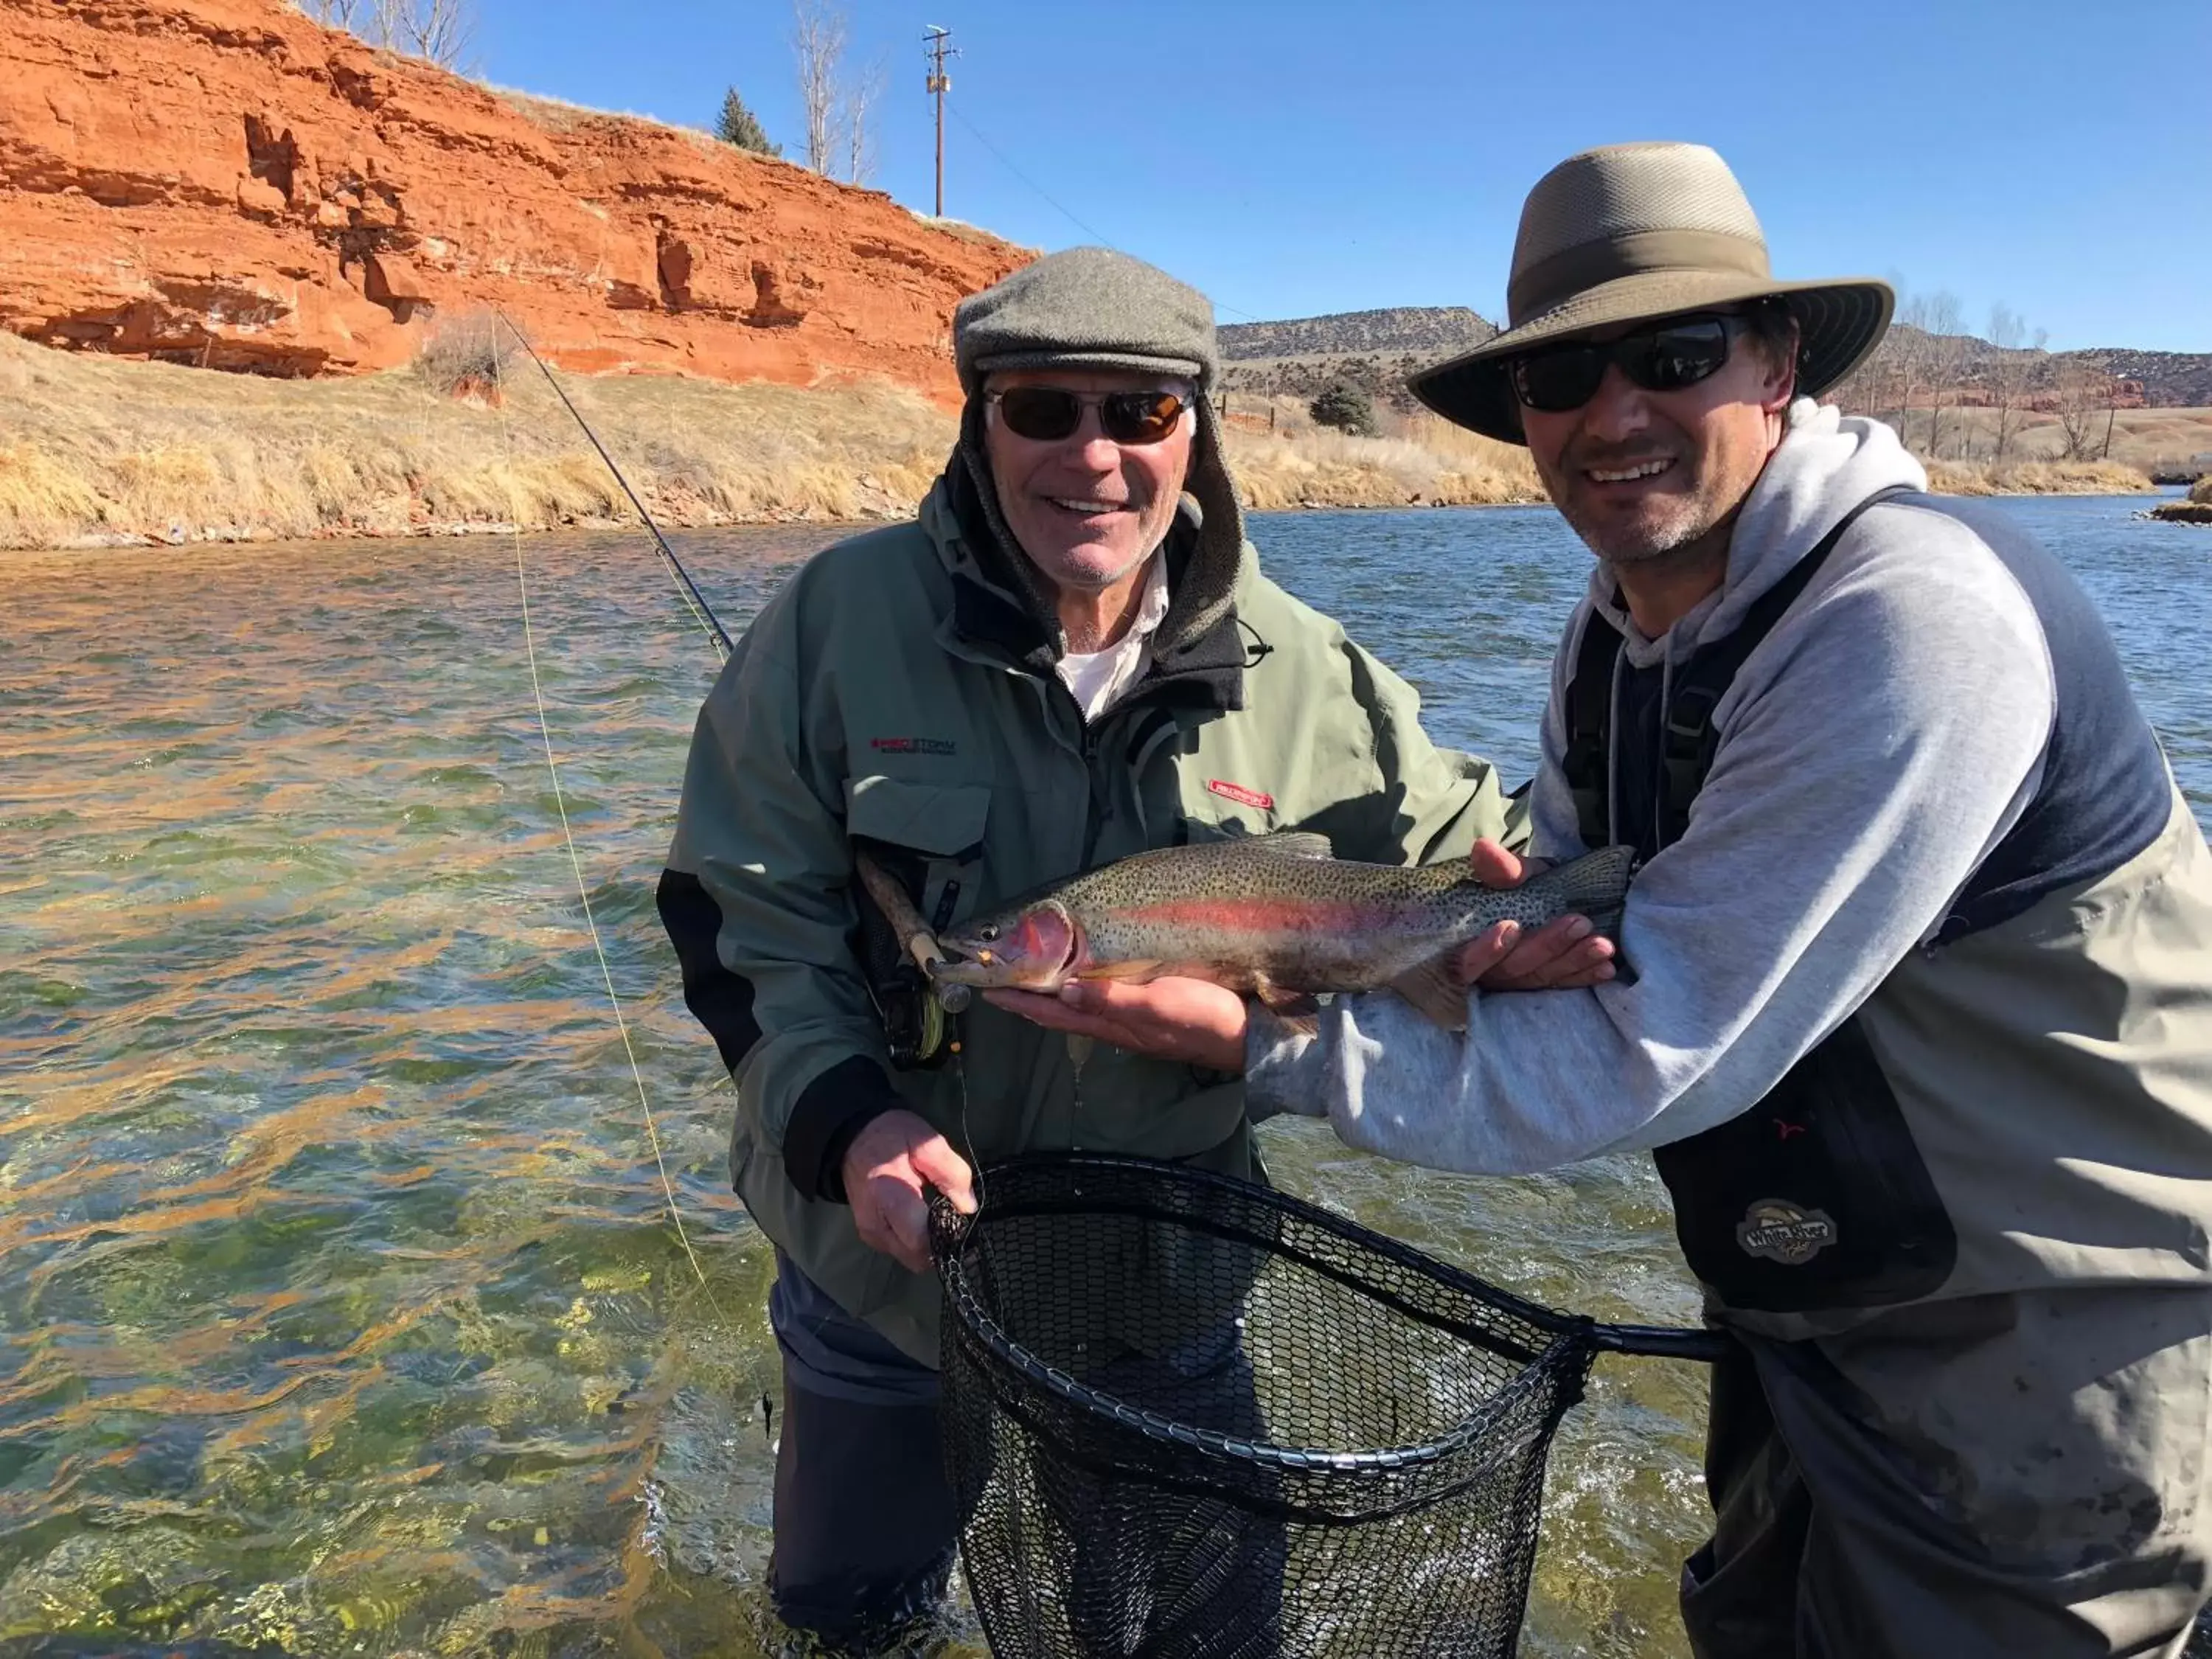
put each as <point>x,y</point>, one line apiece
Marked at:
<point>703,612</point>
<point>719,638</point>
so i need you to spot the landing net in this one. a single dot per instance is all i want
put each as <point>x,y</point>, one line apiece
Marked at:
<point>1191,1418</point>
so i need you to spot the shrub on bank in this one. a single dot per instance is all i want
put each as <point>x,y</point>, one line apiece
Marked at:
<point>1345,407</point>
<point>469,354</point>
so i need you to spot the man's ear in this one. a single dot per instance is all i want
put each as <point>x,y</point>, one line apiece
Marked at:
<point>1781,379</point>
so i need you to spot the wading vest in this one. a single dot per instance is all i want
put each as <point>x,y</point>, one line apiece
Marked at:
<point>1818,1198</point>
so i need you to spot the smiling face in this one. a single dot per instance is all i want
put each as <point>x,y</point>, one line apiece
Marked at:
<point>1088,511</point>
<point>1640,474</point>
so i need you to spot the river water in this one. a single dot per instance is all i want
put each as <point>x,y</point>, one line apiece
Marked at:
<point>339,1310</point>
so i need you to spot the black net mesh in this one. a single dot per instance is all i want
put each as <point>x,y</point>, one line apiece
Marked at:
<point>1189,1417</point>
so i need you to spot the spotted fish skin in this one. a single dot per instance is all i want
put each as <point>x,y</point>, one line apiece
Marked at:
<point>1267,913</point>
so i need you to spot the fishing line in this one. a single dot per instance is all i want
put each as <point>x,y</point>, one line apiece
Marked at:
<point>702,612</point>
<point>560,798</point>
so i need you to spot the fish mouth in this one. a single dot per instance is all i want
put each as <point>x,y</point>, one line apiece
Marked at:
<point>983,965</point>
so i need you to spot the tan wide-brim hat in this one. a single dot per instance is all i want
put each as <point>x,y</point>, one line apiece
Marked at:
<point>1630,234</point>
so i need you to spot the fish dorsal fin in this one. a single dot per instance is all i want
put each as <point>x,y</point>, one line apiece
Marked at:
<point>1289,844</point>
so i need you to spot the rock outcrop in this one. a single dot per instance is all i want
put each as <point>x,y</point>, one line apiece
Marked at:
<point>1412,331</point>
<point>225,183</point>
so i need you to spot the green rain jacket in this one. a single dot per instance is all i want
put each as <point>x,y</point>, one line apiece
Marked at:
<point>898,689</point>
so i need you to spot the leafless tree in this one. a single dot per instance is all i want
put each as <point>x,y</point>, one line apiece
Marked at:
<point>2013,372</point>
<point>439,30</point>
<point>1907,350</point>
<point>347,14</point>
<point>817,37</point>
<point>2080,393</point>
<point>861,98</point>
<point>1947,361</point>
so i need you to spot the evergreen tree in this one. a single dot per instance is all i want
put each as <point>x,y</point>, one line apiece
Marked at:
<point>1345,407</point>
<point>738,126</point>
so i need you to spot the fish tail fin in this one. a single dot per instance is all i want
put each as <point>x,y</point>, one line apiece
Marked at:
<point>1595,885</point>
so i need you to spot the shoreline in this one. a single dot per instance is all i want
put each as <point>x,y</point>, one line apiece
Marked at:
<point>100,453</point>
<point>2173,511</point>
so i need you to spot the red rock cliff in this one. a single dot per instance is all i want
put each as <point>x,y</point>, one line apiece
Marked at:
<point>223,182</point>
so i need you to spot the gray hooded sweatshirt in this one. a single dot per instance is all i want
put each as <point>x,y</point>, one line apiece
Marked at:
<point>1884,737</point>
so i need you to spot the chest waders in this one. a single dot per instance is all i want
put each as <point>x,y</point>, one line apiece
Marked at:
<point>1817,1197</point>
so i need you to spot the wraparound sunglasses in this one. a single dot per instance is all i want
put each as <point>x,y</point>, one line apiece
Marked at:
<point>1665,357</point>
<point>1048,414</point>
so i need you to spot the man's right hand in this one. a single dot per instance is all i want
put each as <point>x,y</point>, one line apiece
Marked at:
<point>886,1167</point>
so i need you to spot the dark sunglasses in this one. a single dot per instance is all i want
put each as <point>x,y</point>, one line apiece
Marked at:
<point>1665,357</point>
<point>1047,414</point>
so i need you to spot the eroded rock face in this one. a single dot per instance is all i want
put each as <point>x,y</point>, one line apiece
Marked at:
<point>224,183</point>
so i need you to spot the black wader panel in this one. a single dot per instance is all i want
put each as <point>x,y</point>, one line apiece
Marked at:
<point>1817,1197</point>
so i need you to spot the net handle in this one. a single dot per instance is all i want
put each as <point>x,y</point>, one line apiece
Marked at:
<point>1697,1343</point>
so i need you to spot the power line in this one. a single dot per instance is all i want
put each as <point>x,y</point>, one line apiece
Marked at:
<point>1006,161</point>
<point>977,134</point>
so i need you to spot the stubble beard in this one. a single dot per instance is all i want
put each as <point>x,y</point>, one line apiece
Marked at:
<point>1683,522</point>
<point>1076,579</point>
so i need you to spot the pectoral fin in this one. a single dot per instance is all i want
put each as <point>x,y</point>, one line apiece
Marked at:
<point>1436,991</point>
<point>1283,1003</point>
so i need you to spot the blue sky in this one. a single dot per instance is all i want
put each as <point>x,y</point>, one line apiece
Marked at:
<point>1291,158</point>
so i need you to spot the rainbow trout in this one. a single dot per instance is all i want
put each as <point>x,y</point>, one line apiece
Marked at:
<point>1274,915</point>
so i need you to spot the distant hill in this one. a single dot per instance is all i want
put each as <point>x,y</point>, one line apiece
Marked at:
<point>1423,329</point>
<point>2170,379</point>
<point>1375,350</point>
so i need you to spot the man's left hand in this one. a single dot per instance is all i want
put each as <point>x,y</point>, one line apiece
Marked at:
<point>1192,1020</point>
<point>1566,954</point>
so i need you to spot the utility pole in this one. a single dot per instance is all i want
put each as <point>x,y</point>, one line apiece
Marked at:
<point>934,46</point>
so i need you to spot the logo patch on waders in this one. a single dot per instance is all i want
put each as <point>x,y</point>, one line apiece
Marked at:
<point>1782,1231</point>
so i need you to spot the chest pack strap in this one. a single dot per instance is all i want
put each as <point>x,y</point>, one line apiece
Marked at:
<point>1687,739</point>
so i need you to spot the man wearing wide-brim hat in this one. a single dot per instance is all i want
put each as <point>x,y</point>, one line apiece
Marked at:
<point>1920,1031</point>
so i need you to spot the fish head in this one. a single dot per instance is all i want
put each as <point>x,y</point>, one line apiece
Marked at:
<point>1033,947</point>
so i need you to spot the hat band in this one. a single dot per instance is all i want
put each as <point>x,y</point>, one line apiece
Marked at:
<point>1558,277</point>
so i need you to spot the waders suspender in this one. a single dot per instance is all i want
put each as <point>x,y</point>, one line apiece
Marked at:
<point>1817,1196</point>
<point>1687,739</point>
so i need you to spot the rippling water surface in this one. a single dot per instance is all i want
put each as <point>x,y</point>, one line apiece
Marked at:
<point>339,1310</point>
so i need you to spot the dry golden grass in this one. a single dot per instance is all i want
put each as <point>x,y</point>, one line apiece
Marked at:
<point>94,449</point>
<point>1329,468</point>
<point>2197,509</point>
<point>2038,478</point>
<point>2139,437</point>
<point>102,450</point>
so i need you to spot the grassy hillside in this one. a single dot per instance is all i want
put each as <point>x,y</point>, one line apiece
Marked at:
<point>97,449</point>
<point>100,451</point>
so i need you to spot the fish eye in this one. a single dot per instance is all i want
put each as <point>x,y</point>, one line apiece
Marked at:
<point>987,931</point>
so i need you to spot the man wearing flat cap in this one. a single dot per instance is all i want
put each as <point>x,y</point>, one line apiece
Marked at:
<point>1920,1033</point>
<point>1070,655</point>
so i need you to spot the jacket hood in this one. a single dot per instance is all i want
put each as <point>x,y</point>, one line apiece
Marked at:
<point>1826,463</point>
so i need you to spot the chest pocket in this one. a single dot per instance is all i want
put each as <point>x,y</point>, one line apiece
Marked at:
<point>928,835</point>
